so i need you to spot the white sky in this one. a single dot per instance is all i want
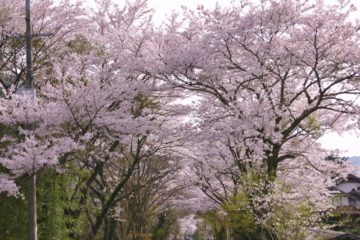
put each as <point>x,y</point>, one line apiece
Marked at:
<point>164,8</point>
<point>348,144</point>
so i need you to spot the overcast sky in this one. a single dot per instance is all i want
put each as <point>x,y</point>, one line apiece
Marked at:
<point>164,8</point>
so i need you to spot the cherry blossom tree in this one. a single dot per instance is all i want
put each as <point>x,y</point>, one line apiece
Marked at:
<point>34,122</point>
<point>272,78</point>
<point>55,21</point>
<point>110,105</point>
<point>266,81</point>
<point>98,108</point>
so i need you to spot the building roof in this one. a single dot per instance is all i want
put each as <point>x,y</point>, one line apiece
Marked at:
<point>353,178</point>
<point>349,178</point>
<point>354,193</point>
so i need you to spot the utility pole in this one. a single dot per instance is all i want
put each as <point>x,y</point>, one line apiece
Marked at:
<point>205,232</point>
<point>29,87</point>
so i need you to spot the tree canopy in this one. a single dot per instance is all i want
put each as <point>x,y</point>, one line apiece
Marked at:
<point>217,112</point>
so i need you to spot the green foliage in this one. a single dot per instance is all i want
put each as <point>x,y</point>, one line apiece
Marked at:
<point>7,80</point>
<point>51,220</point>
<point>239,215</point>
<point>16,43</point>
<point>75,219</point>
<point>313,123</point>
<point>13,218</point>
<point>80,45</point>
<point>341,220</point>
<point>313,126</point>
<point>54,198</point>
<point>6,131</point>
<point>290,226</point>
<point>142,102</point>
<point>13,210</point>
<point>166,225</point>
<point>211,226</point>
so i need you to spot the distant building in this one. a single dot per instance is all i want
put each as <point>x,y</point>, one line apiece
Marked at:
<point>344,218</point>
<point>347,194</point>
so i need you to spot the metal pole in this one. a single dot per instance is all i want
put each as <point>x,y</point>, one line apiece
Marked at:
<point>205,232</point>
<point>28,85</point>
<point>32,208</point>
<point>28,38</point>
